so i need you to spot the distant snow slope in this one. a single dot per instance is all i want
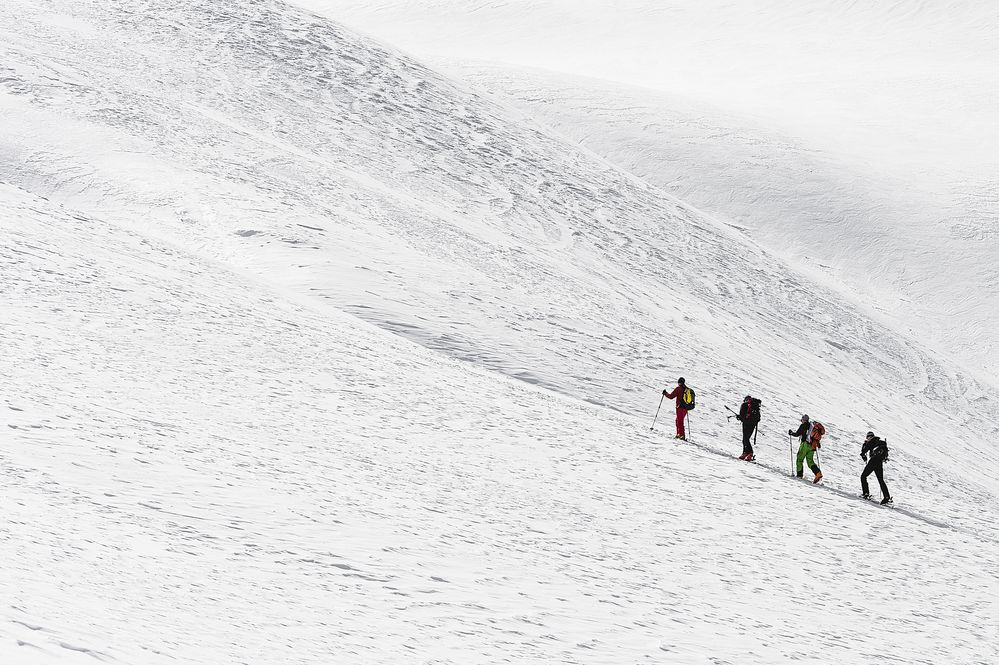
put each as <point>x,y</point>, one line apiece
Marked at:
<point>859,136</point>
<point>846,225</point>
<point>196,194</point>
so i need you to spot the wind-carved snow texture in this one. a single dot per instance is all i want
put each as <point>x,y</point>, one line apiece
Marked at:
<point>251,473</point>
<point>904,248</point>
<point>859,138</point>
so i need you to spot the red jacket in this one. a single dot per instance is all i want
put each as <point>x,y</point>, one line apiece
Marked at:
<point>677,393</point>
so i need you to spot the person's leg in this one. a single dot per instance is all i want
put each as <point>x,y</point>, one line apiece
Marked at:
<point>799,467</point>
<point>879,472</point>
<point>681,415</point>
<point>863,478</point>
<point>747,433</point>
<point>810,459</point>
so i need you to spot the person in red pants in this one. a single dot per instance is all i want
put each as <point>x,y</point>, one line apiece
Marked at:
<point>681,413</point>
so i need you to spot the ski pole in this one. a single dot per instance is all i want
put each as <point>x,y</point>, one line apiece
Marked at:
<point>688,425</point>
<point>657,412</point>
<point>790,443</point>
<point>756,430</point>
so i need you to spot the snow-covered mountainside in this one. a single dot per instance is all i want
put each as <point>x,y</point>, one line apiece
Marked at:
<point>860,140</point>
<point>313,355</point>
<point>202,469</point>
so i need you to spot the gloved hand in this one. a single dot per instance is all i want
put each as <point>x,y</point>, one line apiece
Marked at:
<point>665,392</point>
<point>815,446</point>
<point>790,432</point>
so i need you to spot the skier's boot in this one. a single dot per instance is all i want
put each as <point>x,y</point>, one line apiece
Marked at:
<point>818,476</point>
<point>750,457</point>
<point>742,456</point>
<point>886,501</point>
<point>866,497</point>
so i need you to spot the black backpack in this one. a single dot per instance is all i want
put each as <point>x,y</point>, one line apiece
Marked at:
<point>880,451</point>
<point>754,409</point>
<point>687,398</point>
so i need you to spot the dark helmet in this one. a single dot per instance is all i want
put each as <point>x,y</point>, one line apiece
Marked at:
<point>870,435</point>
<point>749,397</point>
<point>804,418</point>
<point>680,381</point>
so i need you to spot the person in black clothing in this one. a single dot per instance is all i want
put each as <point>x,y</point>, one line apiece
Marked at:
<point>878,451</point>
<point>749,416</point>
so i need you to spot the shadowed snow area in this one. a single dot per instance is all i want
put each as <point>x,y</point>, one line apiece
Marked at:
<point>312,355</point>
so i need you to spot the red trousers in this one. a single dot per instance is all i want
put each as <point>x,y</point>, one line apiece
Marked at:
<point>681,415</point>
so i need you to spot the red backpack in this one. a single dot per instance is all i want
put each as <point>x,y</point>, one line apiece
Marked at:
<point>815,434</point>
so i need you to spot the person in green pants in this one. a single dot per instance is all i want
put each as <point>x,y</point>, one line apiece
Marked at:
<point>806,451</point>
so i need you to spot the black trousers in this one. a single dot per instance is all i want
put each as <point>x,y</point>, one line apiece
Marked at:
<point>875,466</point>
<point>748,427</point>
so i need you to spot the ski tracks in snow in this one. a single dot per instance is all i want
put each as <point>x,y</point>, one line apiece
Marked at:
<point>823,486</point>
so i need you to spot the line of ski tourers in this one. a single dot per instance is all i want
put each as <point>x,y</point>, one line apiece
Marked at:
<point>809,432</point>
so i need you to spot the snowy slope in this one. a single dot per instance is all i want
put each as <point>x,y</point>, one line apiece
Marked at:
<point>888,107</point>
<point>201,469</point>
<point>197,198</point>
<point>848,226</point>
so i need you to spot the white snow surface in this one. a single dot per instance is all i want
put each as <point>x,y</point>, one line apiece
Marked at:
<point>314,355</point>
<point>858,139</point>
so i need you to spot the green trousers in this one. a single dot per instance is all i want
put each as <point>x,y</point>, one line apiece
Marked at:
<point>805,453</point>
